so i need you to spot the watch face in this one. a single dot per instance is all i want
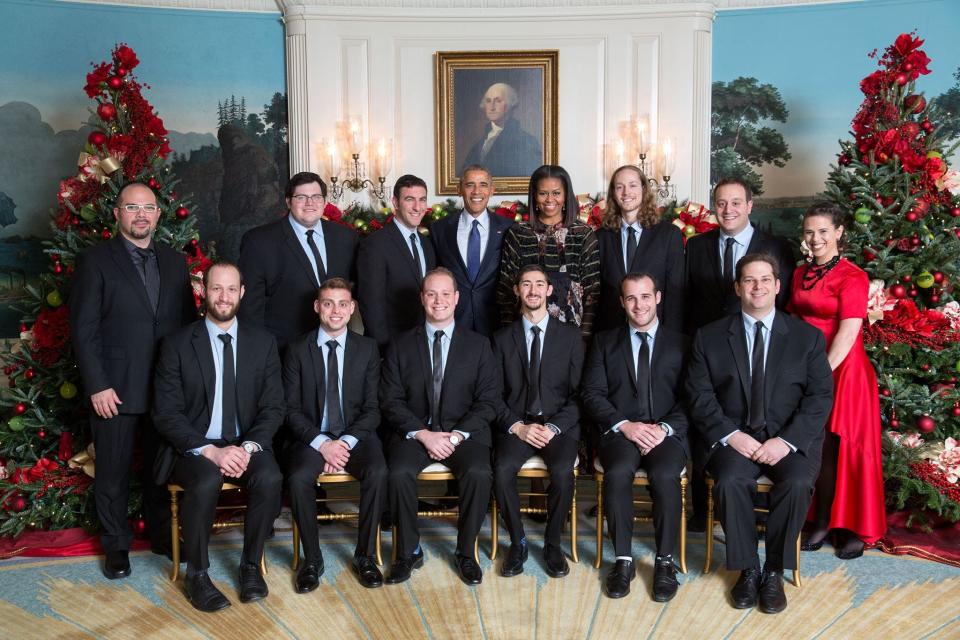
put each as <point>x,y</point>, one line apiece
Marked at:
<point>248,447</point>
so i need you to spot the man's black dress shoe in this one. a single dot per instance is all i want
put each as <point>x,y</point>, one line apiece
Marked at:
<point>308,577</point>
<point>744,593</point>
<point>116,565</point>
<point>556,563</point>
<point>513,565</point>
<point>403,567</point>
<point>367,571</point>
<point>772,597</point>
<point>203,595</point>
<point>618,580</point>
<point>252,585</point>
<point>664,579</point>
<point>470,571</point>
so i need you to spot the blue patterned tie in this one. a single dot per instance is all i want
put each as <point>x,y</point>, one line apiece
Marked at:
<point>473,252</point>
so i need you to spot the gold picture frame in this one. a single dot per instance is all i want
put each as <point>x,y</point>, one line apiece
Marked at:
<point>509,94</point>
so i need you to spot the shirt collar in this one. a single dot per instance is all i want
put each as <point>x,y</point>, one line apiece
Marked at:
<point>652,331</point>
<point>483,219</point>
<point>215,331</point>
<point>132,248</point>
<point>742,238</point>
<point>323,338</point>
<point>749,321</point>
<point>447,330</point>
<point>404,229</point>
<point>527,325</point>
<point>635,224</point>
<point>301,230</point>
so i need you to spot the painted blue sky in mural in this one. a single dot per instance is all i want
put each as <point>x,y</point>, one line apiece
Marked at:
<point>816,56</point>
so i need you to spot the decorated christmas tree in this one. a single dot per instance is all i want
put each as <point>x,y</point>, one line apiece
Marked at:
<point>44,421</point>
<point>894,181</point>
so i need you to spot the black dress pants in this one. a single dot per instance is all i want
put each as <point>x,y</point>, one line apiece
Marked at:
<point>621,459</point>
<point>559,454</point>
<point>201,481</point>
<point>303,464</point>
<point>470,463</point>
<point>115,440</point>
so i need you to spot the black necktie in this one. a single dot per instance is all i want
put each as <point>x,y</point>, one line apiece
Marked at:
<point>534,406</point>
<point>334,410</point>
<point>151,276</point>
<point>757,417</point>
<point>643,377</point>
<point>228,406</point>
<point>437,381</point>
<point>416,256</point>
<point>728,262</point>
<point>631,247</point>
<point>321,268</point>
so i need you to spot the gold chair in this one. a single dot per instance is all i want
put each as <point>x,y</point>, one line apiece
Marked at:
<point>324,479</point>
<point>764,485</point>
<point>640,479</point>
<point>175,491</point>
<point>535,467</point>
<point>435,472</point>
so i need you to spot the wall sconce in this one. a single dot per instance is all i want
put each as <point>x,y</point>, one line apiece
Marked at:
<point>345,149</point>
<point>652,159</point>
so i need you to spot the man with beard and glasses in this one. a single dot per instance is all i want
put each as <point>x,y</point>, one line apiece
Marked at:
<point>219,402</point>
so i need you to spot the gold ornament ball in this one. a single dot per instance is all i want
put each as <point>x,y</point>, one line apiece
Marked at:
<point>518,218</point>
<point>54,299</point>
<point>925,280</point>
<point>689,231</point>
<point>437,208</point>
<point>862,215</point>
<point>68,391</point>
<point>358,223</point>
<point>16,423</point>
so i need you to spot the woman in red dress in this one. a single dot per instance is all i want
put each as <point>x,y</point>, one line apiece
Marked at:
<point>831,294</point>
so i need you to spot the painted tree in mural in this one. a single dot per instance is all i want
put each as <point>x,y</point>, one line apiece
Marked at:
<point>44,418</point>
<point>894,181</point>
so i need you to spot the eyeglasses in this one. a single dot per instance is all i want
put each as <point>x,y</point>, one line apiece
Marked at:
<point>302,199</point>
<point>134,208</point>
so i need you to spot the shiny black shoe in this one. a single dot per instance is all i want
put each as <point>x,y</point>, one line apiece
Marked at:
<point>470,572</point>
<point>772,597</point>
<point>744,593</point>
<point>513,565</point>
<point>252,585</point>
<point>403,567</point>
<point>664,579</point>
<point>810,546</point>
<point>308,576</point>
<point>203,595</point>
<point>618,580</point>
<point>116,565</point>
<point>555,561</point>
<point>367,572</point>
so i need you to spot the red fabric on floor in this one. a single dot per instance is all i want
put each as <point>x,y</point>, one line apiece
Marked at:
<point>63,543</point>
<point>941,543</point>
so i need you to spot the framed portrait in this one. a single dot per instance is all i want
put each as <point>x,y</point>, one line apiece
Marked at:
<point>497,109</point>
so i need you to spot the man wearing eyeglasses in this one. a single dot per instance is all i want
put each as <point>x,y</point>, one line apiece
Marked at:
<point>128,293</point>
<point>284,262</point>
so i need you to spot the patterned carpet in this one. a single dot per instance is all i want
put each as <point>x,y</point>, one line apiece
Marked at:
<point>877,596</point>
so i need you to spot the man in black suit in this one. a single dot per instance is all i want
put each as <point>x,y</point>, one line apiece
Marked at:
<point>540,359</point>
<point>469,246</point>
<point>284,262</point>
<point>330,376</point>
<point>759,389</point>
<point>505,148</point>
<point>439,394</point>
<point>218,420</point>
<point>127,294</point>
<point>391,264</point>
<point>711,262</point>
<point>632,388</point>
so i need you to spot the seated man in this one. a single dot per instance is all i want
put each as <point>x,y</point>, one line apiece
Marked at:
<point>330,377</point>
<point>439,413</point>
<point>760,390</point>
<point>540,359</point>
<point>218,420</point>
<point>632,387</point>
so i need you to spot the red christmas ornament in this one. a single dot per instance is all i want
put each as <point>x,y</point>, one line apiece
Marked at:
<point>97,138</point>
<point>182,212</point>
<point>194,243</point>
<point>114,82</point>
<point>894,423</point>
<point>924,367</point>
<point>901,79</point>
<point>139,527</point>
<point>885,393</point>
<point>938,277</point>
<point>152,183</point>
<point>907,278</point>
<point>75,221</point>
<point>29,374</point>
<point>934,299</point>
<point>7,370</point>
<point>20,409</point>
<point>105,234</point>
<point>910,216</point>
<point>955,411</point>
<point>926,126</point>
<point>18,504</point>
<point>57,268</point>
<point>955,212</point>
<point>898,291</point>
<point>107,111</point>
<point>42,434</point>
<point>914,241</point>
<point>914,102</point>
<point>844,159</point>
<point>926,424</point>
<point>913,293</point>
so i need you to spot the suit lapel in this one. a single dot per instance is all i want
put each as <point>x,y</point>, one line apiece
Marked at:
<point>779,338</point>
<point>167,267</point>
<point>520,343</point>
<point>646,239</point>
<point>738,346</point>
<point>316,360</point>
<point>204,354</point>
<point>494,240</point>
<point>425,362</point>
<point>244,376</point>
<point>626,351</point>
<point>294,246</point>
<point>125,264</point>
<point>352,370</point>
<point>614,243</point>
<point>450,230</point>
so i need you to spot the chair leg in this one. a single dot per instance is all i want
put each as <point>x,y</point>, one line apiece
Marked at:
<point>296,547</point>
<point>599,557</point>
<point>494,526</point>
<point>573,521</point>
<point>174,535</point>
<point>709,532</point>
<point>797,582</point>
<point>393,545</point>
<point>378,544</point>
<point>476,549</point>
<point>683,525</point>
<point>263,562</point>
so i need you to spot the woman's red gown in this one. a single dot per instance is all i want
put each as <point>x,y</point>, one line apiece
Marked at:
<point>858,503</point>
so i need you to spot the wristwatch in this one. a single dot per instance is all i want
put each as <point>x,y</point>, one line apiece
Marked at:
<point>249,447</point>
<point>454,440</point>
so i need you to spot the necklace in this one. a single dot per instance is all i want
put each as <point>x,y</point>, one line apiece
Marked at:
<point>816,272</point>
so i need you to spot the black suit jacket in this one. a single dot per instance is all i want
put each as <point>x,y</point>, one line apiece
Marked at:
<point>659,253</point>
<point>609,386</point>
<point>514,152</point>
<point>185,384</point>
<point>469,396</point>
<point>708,297</point>
<point>115,330</point>
<point>477,309</point>
<point>303,384</point>
<point>560,368</point>
<point>280,283</point>
<point>798,382</point>
<point>389,286</point>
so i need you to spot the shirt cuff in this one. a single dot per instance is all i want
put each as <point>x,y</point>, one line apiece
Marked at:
<point>412,435</point>
<point>319,440</point>
<point>793,448</point>
<point>513,427</point>
<point>256,445</point>
<point>666,428</point>
<point>466,436</point>
<point>616,428</point>
<point>349,440</point>
<point>724,439</point>
<point>553,427</point>
<point>199,450</point>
